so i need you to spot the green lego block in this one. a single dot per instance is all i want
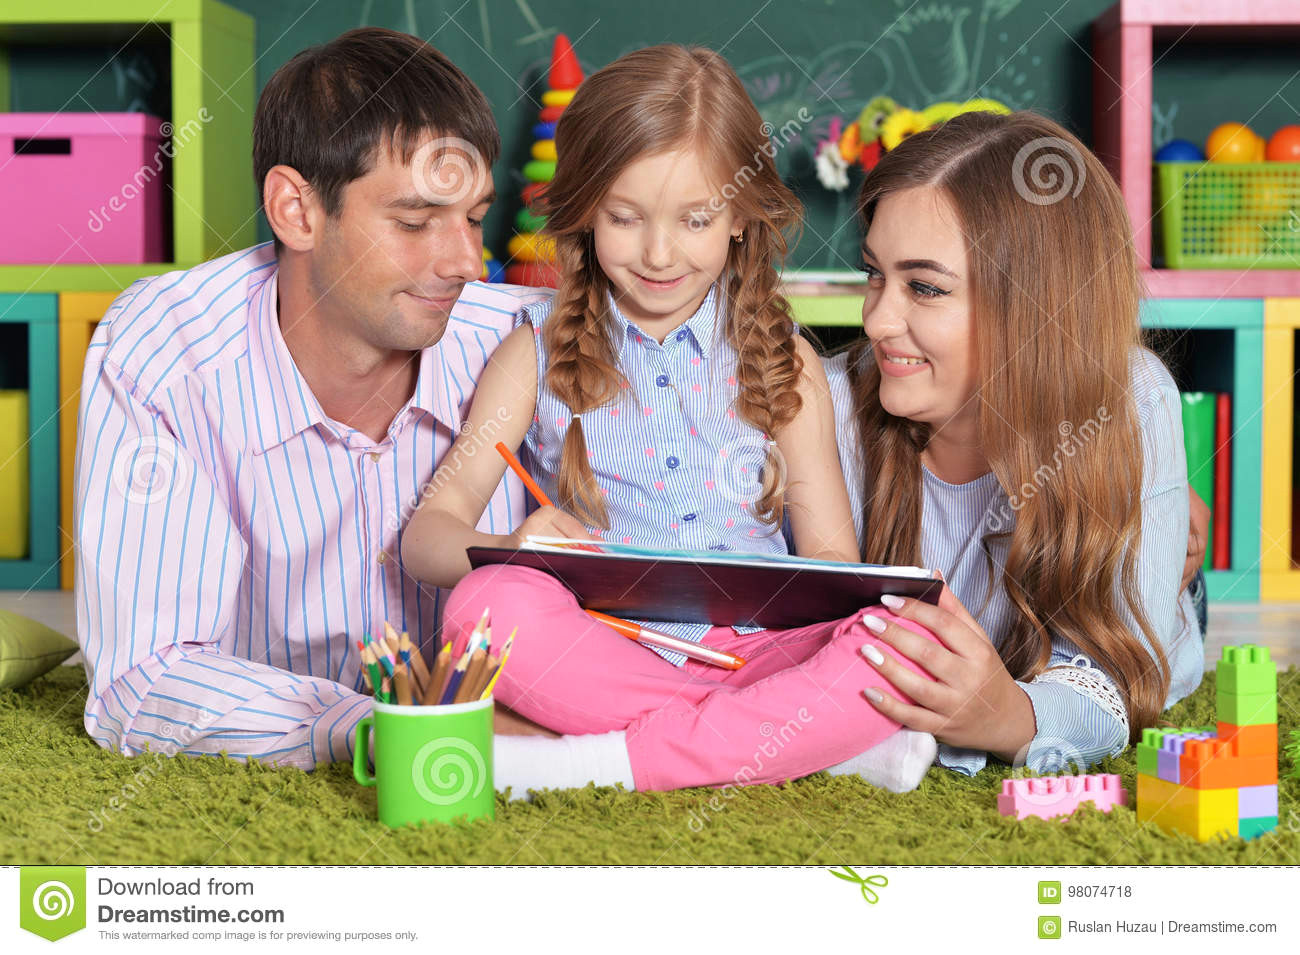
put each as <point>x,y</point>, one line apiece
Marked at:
<point>1251,709</point>
<point>1150,744</point>
<point>1245,670</point>
<point>1250,828</point>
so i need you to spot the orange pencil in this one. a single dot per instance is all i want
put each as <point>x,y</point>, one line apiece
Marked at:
<point>653,638</point>
<point>524,476</point>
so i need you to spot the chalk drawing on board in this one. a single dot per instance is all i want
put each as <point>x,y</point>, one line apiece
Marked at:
<point>1162,123</point>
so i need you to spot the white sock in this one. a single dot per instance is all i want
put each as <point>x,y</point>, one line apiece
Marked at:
<point>521,763</point>
<point>897,763</point>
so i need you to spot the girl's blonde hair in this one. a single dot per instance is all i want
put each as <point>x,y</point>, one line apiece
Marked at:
<point>1055,293</point>
<point>652,101</point>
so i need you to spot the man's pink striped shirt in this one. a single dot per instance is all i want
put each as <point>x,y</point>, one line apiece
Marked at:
<point>233,543</point>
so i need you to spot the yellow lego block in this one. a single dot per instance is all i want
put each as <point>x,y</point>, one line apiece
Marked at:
<point>1199,813</point>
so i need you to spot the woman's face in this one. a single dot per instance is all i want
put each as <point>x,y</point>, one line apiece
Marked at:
<point>917,310</point>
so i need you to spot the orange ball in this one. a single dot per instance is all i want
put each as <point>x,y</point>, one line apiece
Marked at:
<point>1234,142</point>
<point>1284,145</point>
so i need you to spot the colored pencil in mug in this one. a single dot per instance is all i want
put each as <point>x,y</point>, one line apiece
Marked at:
<point>403,684</point>
<point>505,655</point>
<point>415,660</point>
<point>473,676</point>
<point>441,665</point>
<point>653,638</point>
<point>372,668</point>
<point>457,676</point>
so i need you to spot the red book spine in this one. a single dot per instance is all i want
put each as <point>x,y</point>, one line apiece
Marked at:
<point>1222,505</point>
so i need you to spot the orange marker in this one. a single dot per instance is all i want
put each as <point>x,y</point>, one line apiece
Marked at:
<point>652,638</point>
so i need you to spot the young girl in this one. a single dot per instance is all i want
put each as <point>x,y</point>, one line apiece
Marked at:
<point>1002,423</point>
<point>663,398</point>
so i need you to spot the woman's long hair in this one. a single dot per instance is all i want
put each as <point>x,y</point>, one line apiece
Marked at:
<point>652,101</point>
<point>1055,293</point>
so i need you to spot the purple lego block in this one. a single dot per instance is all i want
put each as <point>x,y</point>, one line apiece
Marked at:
<point>1171,753</point>
<point>1256,801</point>
<point>1049,796</point>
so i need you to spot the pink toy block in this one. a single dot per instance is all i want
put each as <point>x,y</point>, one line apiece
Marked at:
<point>1049,796</point>
<point>82,187</point>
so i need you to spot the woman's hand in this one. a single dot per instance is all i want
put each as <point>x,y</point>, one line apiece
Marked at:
<point>1198,532</point>
<point>549,522</point>
<point>972,702</point>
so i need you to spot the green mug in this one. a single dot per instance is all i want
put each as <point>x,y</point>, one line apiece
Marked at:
<point>432,763</point>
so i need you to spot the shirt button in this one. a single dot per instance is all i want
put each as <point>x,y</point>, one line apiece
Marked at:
<point>681,336</point>
<point>672,462</point>
<point>662,381</point>
<point>382,557</point>
<point>374,456</point>
<point>688,517</point>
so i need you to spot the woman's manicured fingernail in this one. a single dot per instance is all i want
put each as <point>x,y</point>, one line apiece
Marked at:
<point>871,653</point>
<point>874,696</point>
<point>873,623</point>
<point>892,602</point>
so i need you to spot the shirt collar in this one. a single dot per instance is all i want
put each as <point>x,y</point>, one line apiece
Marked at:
<point>283,406</point>
<point>700,330</point>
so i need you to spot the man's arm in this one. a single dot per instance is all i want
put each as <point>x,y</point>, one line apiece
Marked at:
<point>159,567</point>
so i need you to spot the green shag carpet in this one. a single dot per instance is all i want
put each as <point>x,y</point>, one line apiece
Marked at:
<point>56,786</point>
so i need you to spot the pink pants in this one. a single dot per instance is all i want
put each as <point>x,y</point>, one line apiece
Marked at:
<point>794,708</point>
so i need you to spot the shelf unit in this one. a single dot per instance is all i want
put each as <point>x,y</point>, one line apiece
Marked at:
<point>1123,40</point>
<point>212,94</point>
<point>34,317</point>
<point>214,204</point>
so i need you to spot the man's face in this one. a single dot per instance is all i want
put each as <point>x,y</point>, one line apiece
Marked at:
<point>408,236</point>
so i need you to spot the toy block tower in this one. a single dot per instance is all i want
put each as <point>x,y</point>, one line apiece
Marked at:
<point>1222,780</point>
<point>529,253</point>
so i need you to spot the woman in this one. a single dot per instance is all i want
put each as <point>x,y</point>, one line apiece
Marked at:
<point>1002,423</point>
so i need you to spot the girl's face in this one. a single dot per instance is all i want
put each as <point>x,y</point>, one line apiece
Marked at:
<point>917,310</point>
<point>662,238</point>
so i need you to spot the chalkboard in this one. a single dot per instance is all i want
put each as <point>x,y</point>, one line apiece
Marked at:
<point>827,57</point>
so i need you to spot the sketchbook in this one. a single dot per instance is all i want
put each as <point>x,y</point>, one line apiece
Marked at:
<point>723,588</point>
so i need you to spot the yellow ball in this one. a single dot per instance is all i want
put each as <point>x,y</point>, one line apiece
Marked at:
<point>544,149</point>
<point>1234,142</point>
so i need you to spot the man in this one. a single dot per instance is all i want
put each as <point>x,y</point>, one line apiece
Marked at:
<point>255,432</point>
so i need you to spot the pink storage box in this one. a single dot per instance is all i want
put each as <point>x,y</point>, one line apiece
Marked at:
<point>81,187</point>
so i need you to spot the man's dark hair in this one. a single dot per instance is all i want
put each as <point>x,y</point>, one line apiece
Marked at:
<point>329,109</point>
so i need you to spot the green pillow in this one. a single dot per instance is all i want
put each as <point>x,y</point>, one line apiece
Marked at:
<point>28,649</point>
